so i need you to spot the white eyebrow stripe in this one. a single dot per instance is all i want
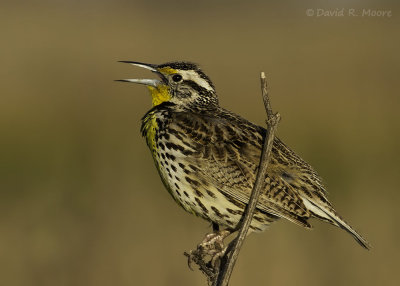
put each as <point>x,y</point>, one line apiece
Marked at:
<point>194,76</point>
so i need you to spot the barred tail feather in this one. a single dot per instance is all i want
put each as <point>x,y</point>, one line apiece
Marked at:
<point>327,213</point>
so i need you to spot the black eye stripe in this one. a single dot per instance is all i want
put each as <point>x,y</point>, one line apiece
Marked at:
<point>196,87</point>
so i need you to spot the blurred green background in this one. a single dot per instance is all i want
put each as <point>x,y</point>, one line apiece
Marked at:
<point>81,202</point>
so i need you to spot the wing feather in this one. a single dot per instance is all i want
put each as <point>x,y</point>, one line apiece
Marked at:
<point>228,159</point>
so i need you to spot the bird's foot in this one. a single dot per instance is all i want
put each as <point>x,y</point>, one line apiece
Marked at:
<point>209,253</point>
<point>213,243</point>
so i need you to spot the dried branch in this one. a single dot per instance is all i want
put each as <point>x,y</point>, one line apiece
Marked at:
<point>232,255</point>
<point>219,275</point>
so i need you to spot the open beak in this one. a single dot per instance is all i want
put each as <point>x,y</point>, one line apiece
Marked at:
<point>150,82</point>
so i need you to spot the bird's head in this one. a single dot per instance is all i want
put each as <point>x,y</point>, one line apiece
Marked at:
<point>181,83</point>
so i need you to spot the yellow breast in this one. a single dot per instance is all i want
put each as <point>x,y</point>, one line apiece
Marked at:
<point>159,95</point>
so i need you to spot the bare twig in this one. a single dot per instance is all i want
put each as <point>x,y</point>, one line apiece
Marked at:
<point>231,255</point>
<point>218,271</point>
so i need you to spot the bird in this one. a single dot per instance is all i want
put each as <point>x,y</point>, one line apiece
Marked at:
<point>208,157</point>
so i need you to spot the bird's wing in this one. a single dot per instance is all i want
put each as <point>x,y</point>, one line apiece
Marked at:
<point>227,152</point>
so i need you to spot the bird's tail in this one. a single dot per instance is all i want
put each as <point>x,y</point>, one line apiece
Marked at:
<point>327,213</point>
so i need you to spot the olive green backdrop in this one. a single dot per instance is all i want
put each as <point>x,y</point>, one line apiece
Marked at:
<point>80,200</point>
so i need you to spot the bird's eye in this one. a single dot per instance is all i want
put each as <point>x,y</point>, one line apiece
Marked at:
<point>176,77</point>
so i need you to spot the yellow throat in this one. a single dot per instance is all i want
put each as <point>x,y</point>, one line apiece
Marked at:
<point>159,94</point>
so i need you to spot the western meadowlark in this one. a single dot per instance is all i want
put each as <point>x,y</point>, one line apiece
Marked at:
<point>207,157</point>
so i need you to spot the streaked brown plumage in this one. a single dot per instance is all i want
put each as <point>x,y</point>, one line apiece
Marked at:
<point>208,157</point>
